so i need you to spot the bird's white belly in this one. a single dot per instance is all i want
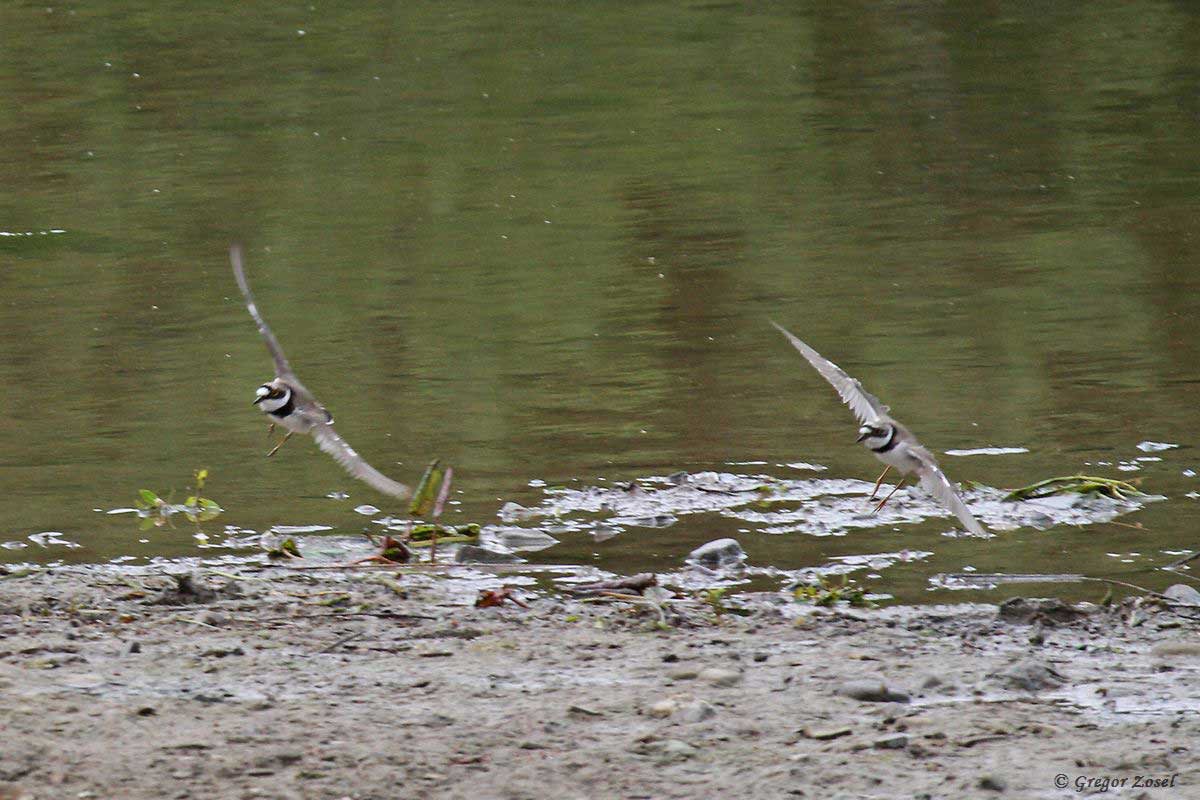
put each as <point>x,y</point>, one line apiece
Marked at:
<point>899,458</point>
<point>297,423</point>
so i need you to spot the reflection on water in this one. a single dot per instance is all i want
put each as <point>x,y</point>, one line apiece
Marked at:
<point>543,243</point>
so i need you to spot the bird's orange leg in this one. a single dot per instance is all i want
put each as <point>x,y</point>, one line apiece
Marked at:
<point>392,551</point>
<point>889,497</point>
<point>283,441</point>
<point>879,482</point>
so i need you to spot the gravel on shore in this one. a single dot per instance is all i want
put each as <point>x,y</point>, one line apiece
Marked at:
<point>237,683</point>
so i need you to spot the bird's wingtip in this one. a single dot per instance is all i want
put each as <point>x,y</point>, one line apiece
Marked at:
<point>235,257</point>
<point>779,327</point>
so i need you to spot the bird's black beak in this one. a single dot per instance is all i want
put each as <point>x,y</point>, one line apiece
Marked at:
<point>258,400</point>
<point>861,436</point>
<point>865,431</point>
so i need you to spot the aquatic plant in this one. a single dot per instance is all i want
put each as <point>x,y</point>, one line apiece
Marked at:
<point>825,592</point>
<point>155,512</point>
<point>1075,484</point>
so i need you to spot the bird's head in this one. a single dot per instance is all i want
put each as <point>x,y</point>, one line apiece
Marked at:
<point>872,430</point>
<point>272,396</point>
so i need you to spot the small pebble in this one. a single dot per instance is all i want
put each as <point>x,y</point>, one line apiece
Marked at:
<point>662,709</point>
<point>720,677</point>
<point>825,734</point>
<point>671,750</point>
<point>897,741</point>
<point>872,692</point>
<point>1176,649</point>
<point>992,783</point>
<point>1030,676</point>
<point>696,711</point>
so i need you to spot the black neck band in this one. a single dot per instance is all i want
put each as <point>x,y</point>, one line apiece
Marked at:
<point>889,444</point>
<point>285,409</point>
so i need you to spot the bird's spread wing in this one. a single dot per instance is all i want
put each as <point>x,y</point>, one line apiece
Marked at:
<point>329,441</point>
<point>934,481</point>
<point>865,405</point>
<point>282,368</point>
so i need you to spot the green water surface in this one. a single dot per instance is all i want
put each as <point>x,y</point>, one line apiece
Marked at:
<point>542,241</point>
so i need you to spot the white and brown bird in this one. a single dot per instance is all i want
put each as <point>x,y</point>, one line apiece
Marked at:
<point>288,403</point>
<point>891,442</point>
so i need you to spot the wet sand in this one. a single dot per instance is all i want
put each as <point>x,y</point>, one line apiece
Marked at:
<point>372,684</point>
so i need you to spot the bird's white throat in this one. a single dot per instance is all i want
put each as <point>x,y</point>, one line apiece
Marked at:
<point>879,442</point>
<point>272,404</point>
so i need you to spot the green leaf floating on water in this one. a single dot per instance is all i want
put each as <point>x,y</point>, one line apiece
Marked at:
<point>1075,484</point>
<point>204,509</point>
<point>423,535</point>
<point>432,490</point>
<point>286,549</point>
<point>149,498</point>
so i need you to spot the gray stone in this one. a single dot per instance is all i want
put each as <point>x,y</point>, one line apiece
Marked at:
<point>872,691</point>
<point>1182,594</point>
<point>718,554</point>
<point>473,554</point>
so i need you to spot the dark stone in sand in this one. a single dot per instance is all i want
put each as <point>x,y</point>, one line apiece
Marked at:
<point>992,783</point>
<point>872,692</point>
<point>1046,611</point>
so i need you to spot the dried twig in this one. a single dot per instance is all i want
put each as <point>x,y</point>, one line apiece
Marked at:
<point>634,583</point>
<point>1125,585</point>
<point>342,641</point>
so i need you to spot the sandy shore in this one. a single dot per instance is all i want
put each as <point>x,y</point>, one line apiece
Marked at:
<point>326,684</point>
